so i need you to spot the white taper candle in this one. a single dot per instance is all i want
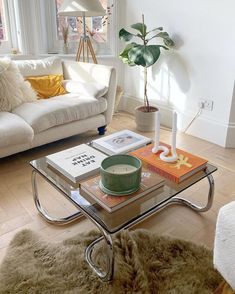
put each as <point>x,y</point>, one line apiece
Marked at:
<point>157,131</point>
<point>174,132</point>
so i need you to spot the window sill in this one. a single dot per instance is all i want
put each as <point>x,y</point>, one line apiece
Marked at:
<point>73,56</point>
<point>44,55</point>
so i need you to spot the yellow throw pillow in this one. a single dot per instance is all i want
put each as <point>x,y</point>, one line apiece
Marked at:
<point>47,86</point>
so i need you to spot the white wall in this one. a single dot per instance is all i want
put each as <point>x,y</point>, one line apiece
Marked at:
<point>202,66</point>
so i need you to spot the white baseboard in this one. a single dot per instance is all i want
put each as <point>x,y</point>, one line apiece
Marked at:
<point>230,141</point>
<point>203,127</point>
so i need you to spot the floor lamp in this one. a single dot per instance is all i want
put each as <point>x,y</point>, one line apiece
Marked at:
<point>83,8</point>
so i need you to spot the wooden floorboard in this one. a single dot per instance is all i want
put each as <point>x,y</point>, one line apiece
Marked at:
<point>17,210</point>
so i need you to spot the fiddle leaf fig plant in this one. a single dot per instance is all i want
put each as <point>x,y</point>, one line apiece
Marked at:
<point>143,54</point>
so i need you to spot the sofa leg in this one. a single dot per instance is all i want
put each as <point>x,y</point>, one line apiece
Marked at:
<point>102,130</point>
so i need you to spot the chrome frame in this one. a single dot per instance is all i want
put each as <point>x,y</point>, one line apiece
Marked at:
<point>106,236</point>
<point>104,276</point>
<point>42,211</point>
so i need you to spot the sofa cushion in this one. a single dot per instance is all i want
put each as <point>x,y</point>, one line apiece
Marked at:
<point>47,86</point>
<point>13,89</point>
<point>47,113</point>
<point>40,67</point>
<point>14,130</point>
<point>90,89</point>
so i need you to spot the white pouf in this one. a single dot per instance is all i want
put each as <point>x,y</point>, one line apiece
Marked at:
<point>224,247</point>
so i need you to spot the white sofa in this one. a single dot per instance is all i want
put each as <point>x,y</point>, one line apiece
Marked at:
<point>224,246</point>
<point>46,120</point>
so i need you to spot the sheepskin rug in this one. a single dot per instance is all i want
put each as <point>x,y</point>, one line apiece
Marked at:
<point>14,90</point>
<point>144,263</point>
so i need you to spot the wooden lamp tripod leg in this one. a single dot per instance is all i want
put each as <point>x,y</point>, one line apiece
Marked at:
<point>80,47</point>
<point>91,50</point>
<point>84,48</point>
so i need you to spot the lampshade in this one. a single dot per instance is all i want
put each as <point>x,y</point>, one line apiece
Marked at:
<point>81,8</point>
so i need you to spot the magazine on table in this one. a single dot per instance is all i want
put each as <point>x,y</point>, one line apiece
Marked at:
<point>77,163</point>
<point>120,142</point>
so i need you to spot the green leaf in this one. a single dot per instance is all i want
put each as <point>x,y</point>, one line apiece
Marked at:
<point>144,55</point>
<point>140,27</point>
<point>166,39</point>
<point>155,36</point>
<point>164,47</point>
<point>125,35</point>
<point>153,50</point>
<point>169,42</point>
<point>156,29</point>
<point>124,56</point>
<point>140,36</point>
<point>136,55</point>
<point>163,35</point>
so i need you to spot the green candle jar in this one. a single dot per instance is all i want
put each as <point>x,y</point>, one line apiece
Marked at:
<point>120,174</point>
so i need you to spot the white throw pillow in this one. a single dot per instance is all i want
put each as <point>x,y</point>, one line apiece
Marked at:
<point>89,89</point>
<point>14,90</point>
<point>40,67</point>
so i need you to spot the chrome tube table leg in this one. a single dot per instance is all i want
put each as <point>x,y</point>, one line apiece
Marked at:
<point>43,212</point>
<point>104,276</point>
<point>180,200</point>
<point>110,254</point>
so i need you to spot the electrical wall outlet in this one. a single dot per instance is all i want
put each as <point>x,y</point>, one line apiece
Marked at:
<point>206,104</point>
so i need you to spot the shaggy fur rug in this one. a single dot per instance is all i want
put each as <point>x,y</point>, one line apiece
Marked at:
<point>144,263</point>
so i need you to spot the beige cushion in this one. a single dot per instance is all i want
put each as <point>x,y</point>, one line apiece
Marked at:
<point>14,130</point>
<point>90,89</point>
<point>44,114</point>
<point>13,89</point>
<point>40,67</point>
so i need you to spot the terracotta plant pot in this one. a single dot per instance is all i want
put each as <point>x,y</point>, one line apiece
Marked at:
<point>145,121</point>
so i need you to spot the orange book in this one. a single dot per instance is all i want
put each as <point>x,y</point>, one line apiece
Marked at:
<point>150,181</point>
<point>186,165</point>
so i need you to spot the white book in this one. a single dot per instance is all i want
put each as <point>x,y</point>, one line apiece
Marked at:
<point>120,142</point>
<point>78,162</point>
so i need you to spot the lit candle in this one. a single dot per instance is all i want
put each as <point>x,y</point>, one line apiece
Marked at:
<point>121,169</point>
<point>157,131</point>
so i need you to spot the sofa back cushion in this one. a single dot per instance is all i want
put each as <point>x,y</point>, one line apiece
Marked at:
<point>89,89</point>
<point>13,89</point>
<point>47,86</point>
<point>40,67</point>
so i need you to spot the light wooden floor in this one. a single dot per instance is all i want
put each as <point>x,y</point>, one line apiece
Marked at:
<point>17,210</point>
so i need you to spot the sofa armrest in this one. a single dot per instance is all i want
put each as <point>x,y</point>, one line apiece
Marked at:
<point>94,73</point>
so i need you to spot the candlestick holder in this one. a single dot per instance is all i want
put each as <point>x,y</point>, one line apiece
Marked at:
<point>165,151</point>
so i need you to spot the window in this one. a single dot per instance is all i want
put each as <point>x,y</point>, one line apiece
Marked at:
<point>98,28</point>
<point>4,33</point>
<point>7,32</point>
<point>3,36</point>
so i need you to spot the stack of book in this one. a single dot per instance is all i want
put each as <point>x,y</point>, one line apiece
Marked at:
<point>90,189</point>
<point>77,163</point>
<point>186,165</point>
<point>120,142</point>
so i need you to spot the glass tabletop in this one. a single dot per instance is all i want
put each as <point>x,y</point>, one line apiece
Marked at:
<point>123,217</point>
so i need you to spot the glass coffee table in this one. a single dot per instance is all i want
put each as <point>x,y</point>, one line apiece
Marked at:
<point>111,223</point>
